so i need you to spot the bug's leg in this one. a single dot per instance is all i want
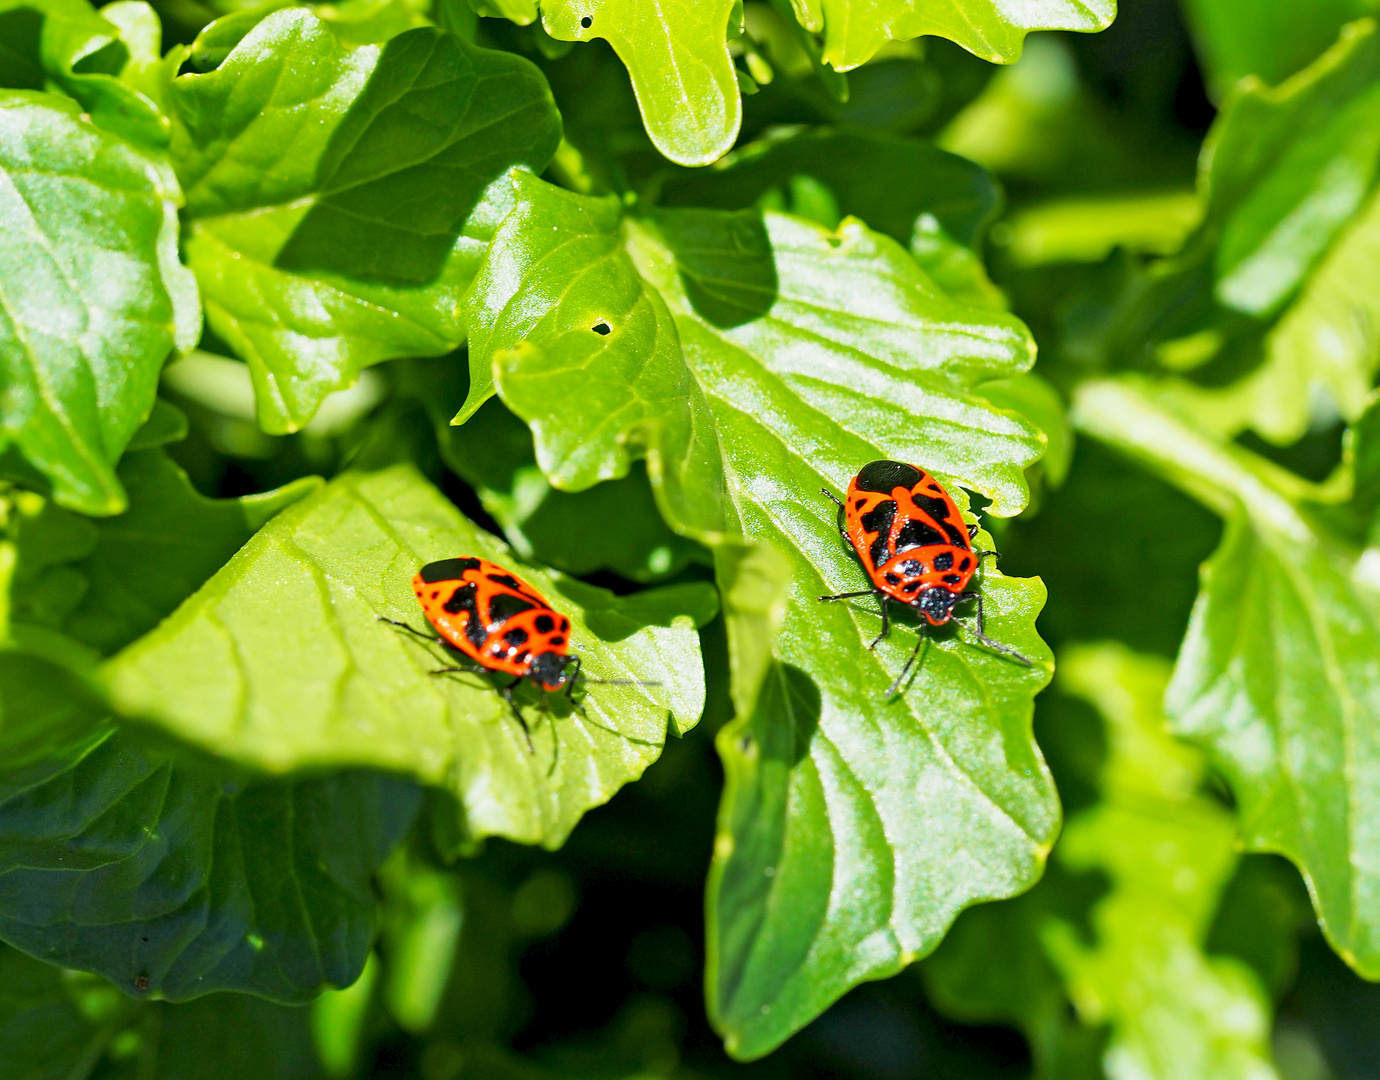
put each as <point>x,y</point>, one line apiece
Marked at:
<point>981,554</point>
<point>995,646</point>
<point>973,530</point>
<point>468,669</point>
<point>410,629</point>
<point>507,693</point>
<point>886,621</point>
<point>570,683</point>
<point>843,531</point>
<point>920,640</point>
<point>849,595</point>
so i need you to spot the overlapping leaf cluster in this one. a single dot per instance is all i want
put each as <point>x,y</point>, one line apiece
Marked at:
<point>392,277</point>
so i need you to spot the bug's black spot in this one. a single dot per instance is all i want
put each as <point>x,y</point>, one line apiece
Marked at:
<point>447,569</point>
<point>913,586</point>
<point>516,636</point>
<point>565,625</point>
<point>859,504</point>
<point>545,624</point>
<point>953,579</point>
<point>915,533</point>
<point>938,509</point>
<point>506,580</point>
<point>557,640</point>
<point>892,579</point>
<point>462,599</point>
<point>522,657</point>
<point>883,476</point>
<point>911,566</point>
<point>503,607</point>
<point>603,329</point>
<point>878,520</point>
<point>966,564</point>
<point>586,22</point>
<point>944,560</point>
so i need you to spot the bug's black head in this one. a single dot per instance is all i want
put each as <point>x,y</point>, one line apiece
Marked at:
<point>548,670</point>
<point>936,604</point>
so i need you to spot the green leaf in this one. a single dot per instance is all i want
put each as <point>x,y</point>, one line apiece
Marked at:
<point>1174,1011</point>
<point>175,876</point>
<point>50,700</point>
<point>1272,39</point>
<point>570,531</point>
<point>281,661</point>
<point>859,169</point>
<point>92,298</point>
<point>1285,168</point>
<point>993,29</point>
<point>676,52</point>
<point>359,245</point>
<point>52,1025</point>
<point>793,355</point>
<point>1281,664</point>
<point>1141,968</point>
<point>105,583</point>
<point>84,54</point>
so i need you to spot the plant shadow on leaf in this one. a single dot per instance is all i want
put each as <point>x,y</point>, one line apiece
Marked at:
<point>726,263</point>
<point>408,164</point>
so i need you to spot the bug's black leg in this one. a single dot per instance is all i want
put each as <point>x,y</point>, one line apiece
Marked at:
<point>973,530</point>
<point>570,682</point>
<point>471,669</point>
<point>995,646</point>
<point>410,629</point>
<point>886,622</point>
<point>920,640</point>
<point>849,595</point>
<point>843,531</point>
<point>981,554</point>
<point>507,693</point>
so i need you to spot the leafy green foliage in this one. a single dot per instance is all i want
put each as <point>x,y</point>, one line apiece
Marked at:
<point>642,297</point>
<point>1167,854</point>
<point>85,55</point>
<point>108,582</point>
<point>712,310</point>
<point>361,245</point>
<point>993,30</point>
<point>1278,662</point>
<point>95,299</point>
<point>677,56</point>
<point>282,662</point>
<point>175,876</point>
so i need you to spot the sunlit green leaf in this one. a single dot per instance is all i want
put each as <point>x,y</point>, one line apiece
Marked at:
<point>358,244</point>
<point>281,661</point>
<point>1286,167</point>
<point>676,52</point>
<point>1281,667</point>
<point>90,292</point>
<point>793,355</point>
<point>993,29</point>
<point>84,55</point>
<point>175,876</point>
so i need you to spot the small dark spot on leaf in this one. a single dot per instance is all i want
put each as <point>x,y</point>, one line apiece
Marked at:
<point>586,22</point>
<point>603,329</point>
<point>141,982</point>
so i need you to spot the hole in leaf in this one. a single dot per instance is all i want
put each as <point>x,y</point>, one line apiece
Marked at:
<point>603,329</point>
<point>586,22</point>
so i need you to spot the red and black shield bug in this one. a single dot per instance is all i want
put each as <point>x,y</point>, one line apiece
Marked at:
<point>482,612</point>
<point>915,547</point>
